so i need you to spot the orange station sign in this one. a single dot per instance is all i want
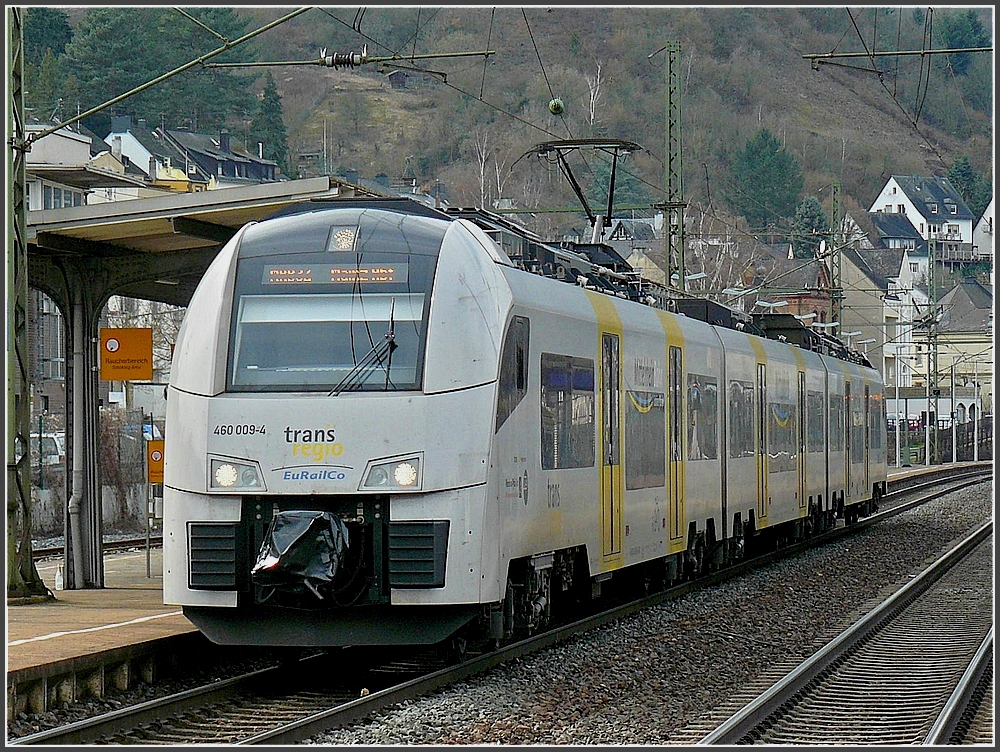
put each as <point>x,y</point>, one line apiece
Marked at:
<point>154,460</point>
<point>127,354</point>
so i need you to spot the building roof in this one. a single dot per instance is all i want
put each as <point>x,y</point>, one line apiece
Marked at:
<point>164,242</point>
<point>211,147</point>
<point>930,190</point>
<point>796,273</point>
<point>967,307</point>
<point>894,225</point>
<point>153,142</point>
<point>869,266</point>
<point>884,262</point>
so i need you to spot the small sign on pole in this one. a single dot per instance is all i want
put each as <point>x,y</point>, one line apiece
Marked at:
<point>127,354</point>
<point>154,460</point>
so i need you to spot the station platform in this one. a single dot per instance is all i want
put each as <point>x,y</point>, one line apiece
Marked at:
<point>78,623</point>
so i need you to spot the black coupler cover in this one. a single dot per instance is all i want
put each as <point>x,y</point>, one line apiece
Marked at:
<point>303,550</point>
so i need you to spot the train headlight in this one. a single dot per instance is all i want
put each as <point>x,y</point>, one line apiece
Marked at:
<point>400,473</point>
<point>405,474</point>
<point>234,475</point>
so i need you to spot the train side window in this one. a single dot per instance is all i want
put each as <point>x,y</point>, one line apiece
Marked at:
<point>567,412</point>
<point>782,447</point>
<point>741,434</point>
<point>857,409</point>
<point>814,416</point>
<point>645,445</point>
<point>703,417</point>
<point>513,369</point>
<point>836,432</point>
<point>876,420</point>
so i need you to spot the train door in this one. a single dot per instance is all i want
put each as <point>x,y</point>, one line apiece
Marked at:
<point>610,446</point>
<point>827,428</point>
<point>848,423</point>
<point>675,453</point>
<point>761,441</point>
<point>866,486</point>
<point>802,439</point>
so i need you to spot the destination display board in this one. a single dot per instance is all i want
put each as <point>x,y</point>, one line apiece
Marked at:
<point>335,274</point>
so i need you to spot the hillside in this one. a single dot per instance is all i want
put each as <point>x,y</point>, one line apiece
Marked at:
<point>741,69</point>
<point>467,122</point>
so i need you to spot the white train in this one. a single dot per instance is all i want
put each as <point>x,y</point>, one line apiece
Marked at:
<point>385,426</point>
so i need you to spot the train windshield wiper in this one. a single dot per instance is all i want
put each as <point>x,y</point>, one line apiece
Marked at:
<point>373,359</point>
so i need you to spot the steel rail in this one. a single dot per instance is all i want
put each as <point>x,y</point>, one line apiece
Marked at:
<point>155,541</point>
<point>944,727</point>
<point>754,713</point>
<point>91,730</point>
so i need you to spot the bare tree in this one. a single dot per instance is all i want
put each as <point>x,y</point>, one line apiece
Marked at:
<point>594,85</point>
<point>729,257</point>
<point>481,144</point>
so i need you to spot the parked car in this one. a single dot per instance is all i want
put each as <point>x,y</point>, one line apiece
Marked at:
<point>53,448</point>
<point>149,432</point>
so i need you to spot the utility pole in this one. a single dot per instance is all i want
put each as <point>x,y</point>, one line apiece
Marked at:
<point>932,331</point>
<point>837,296</point>
<point>22,576</point>
<point>673,207</point>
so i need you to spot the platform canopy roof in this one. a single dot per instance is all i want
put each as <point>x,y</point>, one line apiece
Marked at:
<point>161,246</point>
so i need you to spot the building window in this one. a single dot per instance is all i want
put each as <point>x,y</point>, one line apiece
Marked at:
<point>954,208</point>
<point>933,208</point>
<point>46,196</point>
<point>900,209</point>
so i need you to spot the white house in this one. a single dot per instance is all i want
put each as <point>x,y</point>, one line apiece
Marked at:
<point>61,172</point>
<point>982,237</point>
<point>934,207</point>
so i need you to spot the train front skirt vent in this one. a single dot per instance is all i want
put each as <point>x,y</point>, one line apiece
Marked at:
<point>417,554</point>
<point>212,547</point>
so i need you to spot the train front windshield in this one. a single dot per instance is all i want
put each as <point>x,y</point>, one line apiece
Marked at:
<point>333,300</point>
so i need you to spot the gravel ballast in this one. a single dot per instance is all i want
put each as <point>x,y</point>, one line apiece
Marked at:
<point>646,678</point>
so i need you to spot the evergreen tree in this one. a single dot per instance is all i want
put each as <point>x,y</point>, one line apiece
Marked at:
<point>117,49</point>
<point>45,29</point>
<point>269,125</point>
<point>43,88</point>
<point>962,30</point>
<point>766,181</point>
<point>809,227</point>
<point>976,189</point>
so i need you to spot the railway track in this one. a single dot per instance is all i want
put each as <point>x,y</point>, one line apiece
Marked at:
<point>265,707</point>
<point>109,547</point>
<point>886,679</point>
